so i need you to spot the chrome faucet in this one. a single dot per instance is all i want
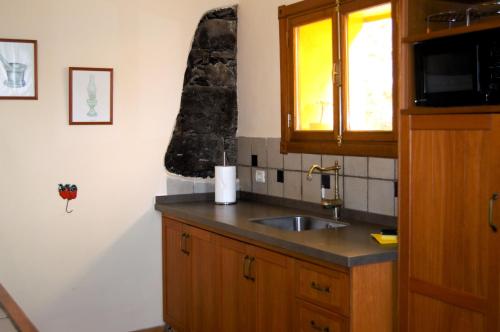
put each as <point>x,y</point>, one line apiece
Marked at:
<point>336,202</point>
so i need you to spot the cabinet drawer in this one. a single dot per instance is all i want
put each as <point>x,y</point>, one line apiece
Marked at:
<point>322,286</point>
<point>314,319</point>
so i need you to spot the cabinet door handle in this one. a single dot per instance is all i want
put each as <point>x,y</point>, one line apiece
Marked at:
<point>184,245</point>
<point>246,266</point>
<point>316,327</point>
<point>493,198</point>
<point>319,288</point>
<point>250,275</point>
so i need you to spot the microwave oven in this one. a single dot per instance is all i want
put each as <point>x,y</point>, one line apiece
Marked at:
<point>460,70</point>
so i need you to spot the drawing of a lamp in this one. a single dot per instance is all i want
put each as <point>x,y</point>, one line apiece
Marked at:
<point>92,92</point>
<point>15,73</point>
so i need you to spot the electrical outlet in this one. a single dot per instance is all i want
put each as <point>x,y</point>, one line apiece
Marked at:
<point>260,176</point>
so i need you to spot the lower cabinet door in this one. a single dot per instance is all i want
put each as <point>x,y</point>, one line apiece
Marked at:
<point>175,275</point>
<point>204,262</point>
<point>315,319</point>
<point>256,289</point>
<point>273,275</point>
<point>237,309</point>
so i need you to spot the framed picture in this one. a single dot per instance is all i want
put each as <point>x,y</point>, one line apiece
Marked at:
<point>90,96</point>
<point>18,69</point>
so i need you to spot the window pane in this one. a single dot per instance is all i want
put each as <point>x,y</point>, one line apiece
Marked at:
<point>369,49</point>
<point>313,55</point>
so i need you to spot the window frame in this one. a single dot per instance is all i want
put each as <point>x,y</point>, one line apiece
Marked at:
<point>325,13</point>
<point>362,143</point>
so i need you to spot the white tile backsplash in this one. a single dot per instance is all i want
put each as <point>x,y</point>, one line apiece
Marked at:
<point>366,183</point>
<point>355,193</point>
<point>245,177</point>
<point>381,197</point>
<point>329,160</point>
<point>274,157</point>
<point>292,162</point>
<point>259,148</point>
<point>204,185</point>
<point>356,166</point>
<point>259,187</point>
<point>244,151</point>
<point>177,185</point>
<point>310,159</point>
<point>292,187</point>
<point>381,168</point>
<point>311,188</point>
<point>274,188</point>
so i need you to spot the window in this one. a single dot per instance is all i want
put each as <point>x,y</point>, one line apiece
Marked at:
<point>313,55</point>
<point>337,66</point>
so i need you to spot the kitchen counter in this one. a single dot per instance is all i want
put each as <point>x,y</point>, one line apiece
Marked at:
<point>346,246</point>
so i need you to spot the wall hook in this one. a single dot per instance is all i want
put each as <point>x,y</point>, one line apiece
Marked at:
<point>67,203</point>
<point>68,192</point>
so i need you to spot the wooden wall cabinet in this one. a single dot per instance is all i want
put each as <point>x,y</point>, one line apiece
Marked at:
<point>214,283</point>
<point>449,249</point>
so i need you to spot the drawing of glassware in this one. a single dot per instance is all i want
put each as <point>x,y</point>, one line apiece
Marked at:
<point>92,92</point>
<point>15,73</point>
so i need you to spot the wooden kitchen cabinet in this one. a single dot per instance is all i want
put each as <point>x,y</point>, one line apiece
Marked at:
<point>257,289</point>
<point>190,278</point>
<point>175,276</point>
<point>237,303</point>
<point>216,283</point>
<point>449,249</point>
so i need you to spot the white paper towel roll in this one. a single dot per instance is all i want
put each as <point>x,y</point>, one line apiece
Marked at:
<point>225,184</point>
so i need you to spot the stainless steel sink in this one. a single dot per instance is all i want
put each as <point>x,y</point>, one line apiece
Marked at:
<point>299,223</point>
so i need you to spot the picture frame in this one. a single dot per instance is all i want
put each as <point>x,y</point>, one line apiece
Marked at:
<point>90,96</point>
<point>18,69</point>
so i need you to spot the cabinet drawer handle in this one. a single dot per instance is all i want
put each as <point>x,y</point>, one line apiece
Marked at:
<point>316,327</point>
<point>319,288</point>
<point>493,198</point>
<point>184,245</point>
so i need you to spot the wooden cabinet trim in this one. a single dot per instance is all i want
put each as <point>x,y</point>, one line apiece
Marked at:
<point>303,7</point>
<point>451,122</point>
<point>460,299</point>
<point>379,280</point>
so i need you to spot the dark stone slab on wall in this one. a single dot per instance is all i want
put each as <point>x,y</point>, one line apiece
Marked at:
<point>207,121</point>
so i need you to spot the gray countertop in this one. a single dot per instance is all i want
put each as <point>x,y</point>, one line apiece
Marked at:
<point>346,246</point>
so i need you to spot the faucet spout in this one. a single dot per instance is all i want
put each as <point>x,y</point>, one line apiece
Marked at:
<point>336,202</point>
<point>311,170</point>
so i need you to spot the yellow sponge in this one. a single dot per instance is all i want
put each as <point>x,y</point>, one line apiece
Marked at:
<point>385,239</point>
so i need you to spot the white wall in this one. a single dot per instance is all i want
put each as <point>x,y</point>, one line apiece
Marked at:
<point>99,268</point>
<point>259,68</point>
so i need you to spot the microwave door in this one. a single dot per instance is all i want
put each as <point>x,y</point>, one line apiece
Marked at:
<point>447,76</point>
